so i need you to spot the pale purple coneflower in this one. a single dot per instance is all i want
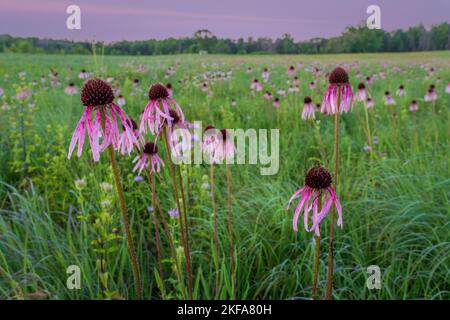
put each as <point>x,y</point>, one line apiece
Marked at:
<point>361,94</point>
<point>312,85</point>
<point>317,182</point>
<point>296,81</point>
<point>276,103</point>
<point>308,109</point>
<point>71,89</point>
<point>121,101</point>
<point>98,98</point>
<point>265,75</point>
<point>413,106</point>
<point>400,91</point>
<point>369,80</point>
<point>388,100</point>
<point>256,86</point>
<point>339,87</point>
<point>281,92</point>
<point>431,95</point>
<point>83,74</point>
<point>157,111</point>
<point>291,70</point>
<point>125,144</point>
<point>370,103</point>
<point>267,95</point>
<point>148,157</point>
<point>222,148</point>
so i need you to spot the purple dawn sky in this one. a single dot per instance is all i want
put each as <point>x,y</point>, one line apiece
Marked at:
<point>112,20</point>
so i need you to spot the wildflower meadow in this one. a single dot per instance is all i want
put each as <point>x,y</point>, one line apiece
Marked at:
<point>224,176</point>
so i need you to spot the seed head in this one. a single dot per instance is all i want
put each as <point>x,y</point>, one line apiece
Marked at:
<point>338,76</point>
<point>157,91</point>
<point>318,178</point>
<point>150,148</point>
<point>307,100</point>
<point>361,86</point>
<point>96,92</point>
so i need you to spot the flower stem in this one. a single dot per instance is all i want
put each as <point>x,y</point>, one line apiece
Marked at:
<point>155,224</point>
<point>329,288</point>
<point>230,231</point>
<point>131,249</point>
<point>119,188</point>
<point>369,137</point>
<point>317,254</point>
<point>216,237</point>
<point>180,215</point>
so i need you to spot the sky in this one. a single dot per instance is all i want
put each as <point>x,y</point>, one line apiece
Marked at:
<point>114,20</point>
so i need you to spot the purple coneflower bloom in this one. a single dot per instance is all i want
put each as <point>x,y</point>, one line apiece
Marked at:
<point>220,146</point>
<point>400,91</point>
<point>388,100</point>
<point>121,100</point>
<point>267,95</point>
<point>370,103</point>
<point>256,86</point>
<point>158,109</point>
<point>413,106</point>
<point>339,85</point>
<point>361,94</point>
<point>83,74</point>
<point>312,85</point>
<point>291,70</point>
<point>317,182</point>
<point>265,75</point>
<point>308,109</point>
<point>98,97</point>
<point>148,157</point>
<point>431,95</point>
<point>71,89</point>
<point>276,103</point>
<point>125,144</point>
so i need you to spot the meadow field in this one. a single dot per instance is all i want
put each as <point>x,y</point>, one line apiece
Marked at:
<point>393,185</point>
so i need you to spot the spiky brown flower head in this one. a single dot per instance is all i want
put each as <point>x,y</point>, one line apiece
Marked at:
<point>157,91</point>
<point>318,178</point>
<point>71,84</point>
<point>265,70</point>
<point>169,86</point>
<point>318,106</point>
<point>307,100</point>
<point>150,148</point>
<point>136,81</point>
<point>414,102</point>
<point>96,92</point>
<point>295,77</point>
<point>291,68</point>
<point>338,76</point>
<point>431,90</point>
<point>208,127</point>
<point>255,80</point>
<point>368,99</point>
<point>387,93</point>
<point>361,86</point>
<point>277,99</point>
<point>368,78</point>
<point>401,87</point>
<point>432,87</point>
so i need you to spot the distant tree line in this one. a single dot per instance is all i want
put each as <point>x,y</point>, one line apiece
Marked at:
<point>353,39</point>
